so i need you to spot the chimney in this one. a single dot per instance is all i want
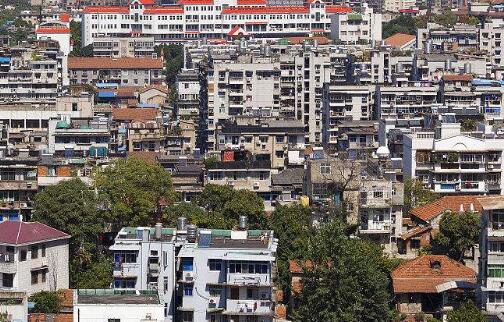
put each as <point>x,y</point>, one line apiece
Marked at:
<point>461,210</point>
<point>471,207</point>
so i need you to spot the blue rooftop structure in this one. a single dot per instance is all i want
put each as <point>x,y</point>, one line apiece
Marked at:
<point>107,85</point>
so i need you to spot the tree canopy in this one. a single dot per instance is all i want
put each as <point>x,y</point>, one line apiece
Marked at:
<point>467,312</point>
<point>404,24</point>
<point>135,190</point>
<point>347,279</point>
<point>458,233</point>
<point>416,195</point>
<point>46,302</point>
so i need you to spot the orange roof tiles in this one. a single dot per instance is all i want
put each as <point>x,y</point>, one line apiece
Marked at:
<point>399,40</point>
<point>53,30</point>
<point>415,232</point>
<point>105,9</point>
<point>114,63</point>
<point>447,203</point>
<point>196,2</point>
<point>64,17</point>
<point>338,9</point>
<point>134,114</point>
<point>164,10</point>
<point>265,10</point>
<point>298,40</point>
<point>250,2</point>
<point>458,77</point>
<point>147,156</point>
<point>421,276</point>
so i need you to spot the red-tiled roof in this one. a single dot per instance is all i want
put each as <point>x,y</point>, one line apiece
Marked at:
<point>458,77</point>
<point>264,10</point>
<point>147,2</point>
<point>134,114</point>
<point>415,232</point>
<point>398,40</point>
<point>338,9</point>
<point>164,10</point>
<point>408,11</point>
<point>147,156</point>
<point>422,275</point>
<point>236,31</point>
<point>250,2</point>
<point>105,9</point>
<point>18,233</point>
<point>447,203</point>
<point>53,30</point>
<point>195,2</point>
<point>117,63</point>
<point>64,17</point>
<point>297,40</point>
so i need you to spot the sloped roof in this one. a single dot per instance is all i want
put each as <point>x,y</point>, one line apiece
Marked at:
<point>114,63</point>
<point>399,40</point>
<point>421,275</point>
<point>134,114</point>
<point>19,233</point>
<point>447,203</point>
<point>458,77</point>
<point>415,232</point>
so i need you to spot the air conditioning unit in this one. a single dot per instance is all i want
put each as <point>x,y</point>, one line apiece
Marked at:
<point>256,185</point>
<point>189,277</point>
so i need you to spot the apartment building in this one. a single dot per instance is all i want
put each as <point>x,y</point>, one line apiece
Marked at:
<point>359,139</point>
<point>126,71</point>
<point>439,38</point>
<point>410,100</point>
<point>18,184</point>
<point>33,257</point>
<point>211,20</point>
<point>272,137</point>
<point>397,5</point>
<point>448,162</point>
<point>118,47</point>
<point>199,274</point>
<point>358,27</point>
<point>491,247</point>
<point>188,89</point>
<point>74,137</point>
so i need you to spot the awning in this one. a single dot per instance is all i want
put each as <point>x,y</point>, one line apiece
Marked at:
<point>41,268</point>
<point>125,247</point>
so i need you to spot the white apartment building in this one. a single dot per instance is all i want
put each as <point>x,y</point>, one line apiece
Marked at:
<point>188,90</point>
<point>213,19</point>
<point>491,247</point>
<point>33,257</point>
<point>117,47</point>
<point>345,102</point>
<point>395,5</point>
<point>363,27</point>
<point>405,100</point>
<point>199,274</point>
<point>450,162</point>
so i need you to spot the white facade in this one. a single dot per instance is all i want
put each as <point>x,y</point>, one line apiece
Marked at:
<point>15,304</point>
<point>448,162</point>
<point>209,19</point>
<point>357,28</point>
<point>395,5</point>
<point>34,267</point>
<point>491,38</point>
<point>198,278</point>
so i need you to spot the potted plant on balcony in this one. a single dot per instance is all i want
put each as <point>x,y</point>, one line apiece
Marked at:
<point>452,157</point>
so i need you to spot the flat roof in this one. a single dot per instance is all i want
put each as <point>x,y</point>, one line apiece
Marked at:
<point>107,296</point>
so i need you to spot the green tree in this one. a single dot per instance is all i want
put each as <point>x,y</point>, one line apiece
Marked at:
<point>292,227</point>
<point>72,207</point>
<point>246,203</point>
<point>447,19</point>
<point>458,233</point>
<point>195,215</point>
<point>3,317</point>
<point>347,279</point>
<point>404,24</point>
<point>135,190</point>
<point>467,312</point>
<point>416,195</point>
<point>46,302</point>
<point>214,197</point>
<point>468,125</point>
<point>91,271</point>
<point>174,58</point>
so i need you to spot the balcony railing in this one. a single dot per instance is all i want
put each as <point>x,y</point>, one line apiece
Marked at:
<point>249,307</point>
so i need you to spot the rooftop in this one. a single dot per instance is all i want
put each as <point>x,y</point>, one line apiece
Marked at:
<point>399,40</point>
<point>134,114</point>
<point>429,273</point>
<point>20,233</point>
<point>114,63</point>
<point>447,203</point>
<point>107,296</point>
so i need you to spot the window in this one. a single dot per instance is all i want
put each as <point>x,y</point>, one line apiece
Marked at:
<point>8,280</point>
<point>44,276</point>
<point>188,289</point>
<point>496,297</point>
<point>34,252</point>
<point>415,244</point>
<point>124,257</point>
<point>214,292</point>
<point>187,264</point>
<point>187,316</point>
<point>124,283</point>
<point>325,168</point>
<point>34,277</point>
<point>497,220</point>
<point>495,270</point>
<point>378,194</point>
<point>22,255</point>
<point>114,320</point>
<point>214,264</point>
<point>496,247</point>
<point>44,250</point>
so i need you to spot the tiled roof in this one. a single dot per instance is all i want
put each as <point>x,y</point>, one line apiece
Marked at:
<point>491,202</point>
<point>53,30</point>
<point>265,10</point>
<point>64,17</point>
<point>458,77</point>
<point>399,40</point>
<point>161,88</point>
<point>338,9</point>
<point>447,203</point>
<point>116,63</point>
<point>105,9</point>
<point>164,10</point>
<point>422,275</point>
<point>250,2</point>
<point>134,114</point>
<point>147,156</point>
<point>236,31</point>
<point>19,233</point>
<point>415,232</point>
<point>321,40</point>
<point>196,2</point>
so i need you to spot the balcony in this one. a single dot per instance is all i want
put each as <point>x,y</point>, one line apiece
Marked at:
<point>241,279</point>
<point>376,227</point>
<point>7,263</point>
<point>248,307</point>
<point>126,269</point>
